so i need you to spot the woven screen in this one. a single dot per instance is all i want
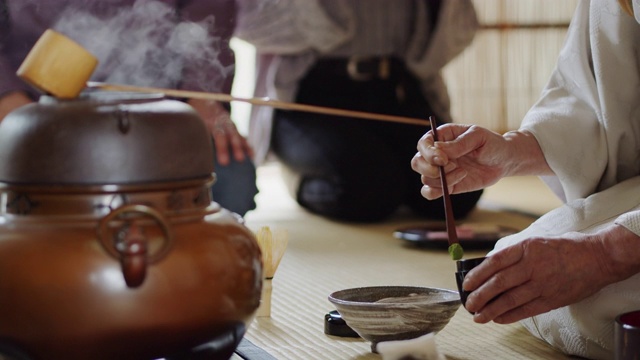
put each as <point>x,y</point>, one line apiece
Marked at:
<point>497,79</point>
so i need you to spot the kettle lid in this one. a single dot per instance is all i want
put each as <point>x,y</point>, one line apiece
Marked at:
<point>104,137</point>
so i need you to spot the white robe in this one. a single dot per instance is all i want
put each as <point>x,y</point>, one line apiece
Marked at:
<point>588,125</point>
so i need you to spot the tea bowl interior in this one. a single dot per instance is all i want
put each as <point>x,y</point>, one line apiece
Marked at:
<point>386,313</point>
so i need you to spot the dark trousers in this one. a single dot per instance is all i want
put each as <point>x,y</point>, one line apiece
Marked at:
<point>353,169</point>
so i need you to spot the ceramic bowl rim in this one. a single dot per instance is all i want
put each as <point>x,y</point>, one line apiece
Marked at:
<point>333,297</point>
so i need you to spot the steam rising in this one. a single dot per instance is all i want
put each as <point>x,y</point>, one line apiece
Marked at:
<point>147,45</point>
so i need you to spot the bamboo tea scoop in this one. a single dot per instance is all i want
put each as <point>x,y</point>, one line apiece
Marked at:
<point>58,66</point>
<point>455,249</point>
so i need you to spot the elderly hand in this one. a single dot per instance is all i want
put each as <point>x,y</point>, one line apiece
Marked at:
<point>223,130</point>
<point>541,274</point>
<point>474,158</point>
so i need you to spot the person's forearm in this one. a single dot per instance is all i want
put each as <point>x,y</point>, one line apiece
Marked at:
<point>12,101</point>
<point>528,158</point>
<point>620,249</point>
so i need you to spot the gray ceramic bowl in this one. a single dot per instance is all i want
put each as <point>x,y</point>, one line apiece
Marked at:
<point>385,313</point>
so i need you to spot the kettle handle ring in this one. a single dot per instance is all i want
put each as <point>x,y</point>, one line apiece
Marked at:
<point>110,246</point>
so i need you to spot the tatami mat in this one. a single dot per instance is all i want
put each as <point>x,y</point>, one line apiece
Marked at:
<point>325,256</point>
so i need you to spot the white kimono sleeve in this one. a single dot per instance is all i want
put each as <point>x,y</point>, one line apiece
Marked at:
<point>588,126</point>
<point>587,121</point>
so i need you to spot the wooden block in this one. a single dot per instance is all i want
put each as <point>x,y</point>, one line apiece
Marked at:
<point>58,66</point>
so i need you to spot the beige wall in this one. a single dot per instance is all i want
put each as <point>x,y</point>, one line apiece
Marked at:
<point>497,79</point>
<point>243,82</point>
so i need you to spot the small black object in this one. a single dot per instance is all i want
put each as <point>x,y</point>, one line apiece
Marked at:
<point>336,326</point>
<point>463,266</point>
<point>434,236</point>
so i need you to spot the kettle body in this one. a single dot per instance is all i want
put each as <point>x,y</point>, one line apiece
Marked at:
<point>110,243</point>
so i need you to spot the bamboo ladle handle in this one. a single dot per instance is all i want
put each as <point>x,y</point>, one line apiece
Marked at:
<point>58,66</point>
<point>259,101</point>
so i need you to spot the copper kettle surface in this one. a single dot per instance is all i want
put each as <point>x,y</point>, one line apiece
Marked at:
<point>111,246</point>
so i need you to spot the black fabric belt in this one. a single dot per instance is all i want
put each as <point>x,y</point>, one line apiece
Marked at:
<point>363,68</point>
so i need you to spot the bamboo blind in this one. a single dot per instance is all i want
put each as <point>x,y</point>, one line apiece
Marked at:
<point>495,81</point>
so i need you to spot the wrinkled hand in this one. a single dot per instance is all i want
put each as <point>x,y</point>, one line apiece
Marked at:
<point>227,138</point>
<point>473,158</point>
<point>541,274</point>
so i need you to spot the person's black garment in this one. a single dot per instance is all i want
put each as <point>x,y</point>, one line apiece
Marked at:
<point>354,169</point>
